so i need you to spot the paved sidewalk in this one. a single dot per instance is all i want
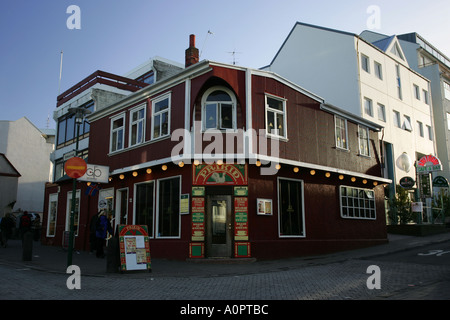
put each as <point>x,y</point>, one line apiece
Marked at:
<point>54,259</point>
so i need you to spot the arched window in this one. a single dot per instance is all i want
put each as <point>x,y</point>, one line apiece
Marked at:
<point>218,109</point>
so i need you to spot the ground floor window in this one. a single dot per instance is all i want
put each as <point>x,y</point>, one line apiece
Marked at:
<point>169,207</point>
<point>357,203</point>
<point>52,213</point>
<point>143,202</point>
<point>290,208</point>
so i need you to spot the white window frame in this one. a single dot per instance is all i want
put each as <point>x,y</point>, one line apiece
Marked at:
<point>52,198</point>
<point>378,70</point>
<point>425,96</point>
<point>219,108</point>
<point>420,128</point>
<point>407,123</point>
<point>416,91</point>
<point>276,112</point>
<point>365,63</point>
<point>158,183</point>
<point>366,139</point>
<point>368,106</point>
<point>399,81</point>
<point>139,124</point>
<point>118,131</point>
<point>302,199</point>
<point>151,233</point>
<point>359,200</point>
<point>338,121</point>
<point>430,133</point>
<point>381,111</point>
<point>160,113</point>
<point>396,119</point>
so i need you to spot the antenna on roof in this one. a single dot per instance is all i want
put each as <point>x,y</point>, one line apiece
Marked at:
<point>233,53</point>
<point>207,34</point>
<point>60,73</point>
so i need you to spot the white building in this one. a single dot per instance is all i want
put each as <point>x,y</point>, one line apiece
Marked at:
<point>28,150</point>
<point>373,81</point>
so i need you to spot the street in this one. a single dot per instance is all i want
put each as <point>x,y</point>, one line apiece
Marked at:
<point>416,274</point>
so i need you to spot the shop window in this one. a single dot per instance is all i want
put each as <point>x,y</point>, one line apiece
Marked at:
<point>290,206</point>
<point>169,207</point>
<point>218,109</point>
<point>117,133</point>
<point>161,117</point>
<point>52,214</point>
<point>143,205</point>
<point>276,116</point>
<point>357,203</point>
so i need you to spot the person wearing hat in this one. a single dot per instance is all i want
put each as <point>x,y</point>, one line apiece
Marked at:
<point>102,229</point>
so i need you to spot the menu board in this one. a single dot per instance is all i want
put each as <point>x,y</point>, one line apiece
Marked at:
<point>134,248</point>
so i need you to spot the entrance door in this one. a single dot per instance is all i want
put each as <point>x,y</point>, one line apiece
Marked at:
<point>219,226</point>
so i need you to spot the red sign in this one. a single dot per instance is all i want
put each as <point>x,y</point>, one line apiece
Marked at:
<point>75,167</point>
<point>220,174</point>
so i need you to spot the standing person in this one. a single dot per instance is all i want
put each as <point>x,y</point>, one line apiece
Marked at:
<point>6,226</point>
<point>25,224</point>
<point>103,227</point>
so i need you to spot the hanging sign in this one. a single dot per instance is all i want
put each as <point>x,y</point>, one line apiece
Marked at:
<point>220,174</point>
<point>407,182</point>
<point>96,173</point>
<point>134,248</point>
<point>428,164</point>
<point>440,182</point>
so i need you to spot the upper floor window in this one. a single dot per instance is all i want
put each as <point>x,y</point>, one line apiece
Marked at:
<point>425,96</point>
<point>416,91</point>
<point>363,138</point>
<point>341,132</point>
<point>148,77</point>
<point>381,112</point>
<point>67,129</point>
<point>399,82</point>
<point>137,125</point>
<point>160,117</point>
<point>447,90</point>
<point>368,108</point>
<point>276,116</point>
<point>117,133</point>
<point>365,64</point>
<point>219,109</point>
<point>378,70</point>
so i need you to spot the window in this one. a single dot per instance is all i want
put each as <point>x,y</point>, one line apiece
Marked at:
<point>169,207</point>
<point>160,117</point>
<point>357,203</point>
<point>363,138</point>
<point>381,110</point>
<point>143,205</point>
<point>290,204</point>
<point>447,90</point>
<point>365,63</point>
<point>137,125</point>
<point>420,128</point>
<point>396,51</point>
<point>117,133</point>
<point>219,109</point>
<point>148,77</point>
<point>378,70</point>
<point>67,128</point>
<point>399,82</point>
<point>76,215</point>
<point>368,107</point>
<point>417,92</point>
<point>407,123</point>
<point>430,133</point>
<point>396,118</point>
<point>341,132</point>
<point>448,121</point>
<point>276,116</point>
<point>425,96</point>
<point>52,214</point>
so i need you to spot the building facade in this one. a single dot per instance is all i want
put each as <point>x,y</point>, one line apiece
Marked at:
<point>225,161</point>
<point>370,78</point>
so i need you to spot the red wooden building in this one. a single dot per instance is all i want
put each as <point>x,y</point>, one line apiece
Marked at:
<point>225,161</point>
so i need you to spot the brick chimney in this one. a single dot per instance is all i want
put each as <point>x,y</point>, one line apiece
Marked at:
<point>192,55</point>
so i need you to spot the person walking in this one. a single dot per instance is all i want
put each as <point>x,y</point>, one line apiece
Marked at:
<point>103,227</point>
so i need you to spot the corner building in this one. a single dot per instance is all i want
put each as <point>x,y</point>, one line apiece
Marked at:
<point>231,162</point>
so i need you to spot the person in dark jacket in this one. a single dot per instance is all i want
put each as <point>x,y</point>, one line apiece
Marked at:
<point>6,226</point>
<point>103,227</point>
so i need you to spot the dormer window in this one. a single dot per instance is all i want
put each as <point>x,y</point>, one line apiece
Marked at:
<point>219,109</point>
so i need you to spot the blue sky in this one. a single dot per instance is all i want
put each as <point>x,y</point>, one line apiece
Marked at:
<point>116,36</point>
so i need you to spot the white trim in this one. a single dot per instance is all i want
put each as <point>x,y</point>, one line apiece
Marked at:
<point>143,120</point>
<point>346,133</point>
<point>353,206</point>
<point>157,236</point>
<point>275,111</point>
<point>111,131</point>
<point>169,107</point>
<point>302,207</point>
<point>50,200</point>
<point>151,232</point>
<point>218,109</point>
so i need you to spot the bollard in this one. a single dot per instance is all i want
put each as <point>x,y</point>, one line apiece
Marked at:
<point>27,246</point>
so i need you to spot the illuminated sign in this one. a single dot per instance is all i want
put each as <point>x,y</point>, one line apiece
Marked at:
<point>428,164</point>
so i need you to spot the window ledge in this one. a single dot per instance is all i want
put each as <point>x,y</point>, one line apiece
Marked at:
<point>136,146</point>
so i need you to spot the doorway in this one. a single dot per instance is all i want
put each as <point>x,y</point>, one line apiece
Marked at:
<point>219,226</point>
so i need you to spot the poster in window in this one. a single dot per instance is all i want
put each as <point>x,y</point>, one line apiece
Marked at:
<point>264,206</point>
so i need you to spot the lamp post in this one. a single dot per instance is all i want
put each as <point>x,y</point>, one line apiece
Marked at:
<point>79,114</point>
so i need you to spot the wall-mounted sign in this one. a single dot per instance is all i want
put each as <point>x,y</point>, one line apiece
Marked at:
<point>220,174</point>
<point>134,248</point>
<point>407,182</point>
<point>96,173</point>
<point>428,164</point>
<point>241,218</point>
<point>440,182</point>
<point>416,206</point>
<point>198,219</point>
<point>184,204</point>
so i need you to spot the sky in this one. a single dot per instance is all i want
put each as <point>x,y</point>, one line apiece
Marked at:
<point>117,35</point>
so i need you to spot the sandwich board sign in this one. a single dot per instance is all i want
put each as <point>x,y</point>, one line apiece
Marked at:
<point>134,248</point>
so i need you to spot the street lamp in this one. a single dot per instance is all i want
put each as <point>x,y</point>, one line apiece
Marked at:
<point>79,114</point>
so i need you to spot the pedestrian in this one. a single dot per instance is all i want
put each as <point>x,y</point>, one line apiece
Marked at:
<point>103,227</point>
<point>24,224</point>
<point>6,226</point>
